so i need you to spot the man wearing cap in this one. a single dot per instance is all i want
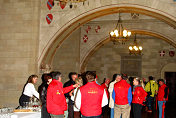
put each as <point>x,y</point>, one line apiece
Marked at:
<point>91,98</point>
<point>122,96</point>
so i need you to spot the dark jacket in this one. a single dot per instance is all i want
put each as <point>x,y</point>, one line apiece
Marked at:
<point>43,92</point>
<point>68,83</point>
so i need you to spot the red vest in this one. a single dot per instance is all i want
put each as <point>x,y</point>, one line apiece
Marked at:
<point>139,95</point>
<point>161,92</point>
<point>55,101</point>
<point>91,99</point>
<point>121,92</point>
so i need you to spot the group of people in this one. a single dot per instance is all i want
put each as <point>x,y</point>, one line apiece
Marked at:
<point>83,97</point>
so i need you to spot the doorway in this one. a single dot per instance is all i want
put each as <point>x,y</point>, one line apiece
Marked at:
<point>171,83</point>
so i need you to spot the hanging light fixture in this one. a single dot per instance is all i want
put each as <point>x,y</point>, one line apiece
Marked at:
<point>135,48</point>
<point>119,34</point>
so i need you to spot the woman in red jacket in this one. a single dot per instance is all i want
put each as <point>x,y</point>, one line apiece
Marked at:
<point>162,96</point>
<point>139,95</point>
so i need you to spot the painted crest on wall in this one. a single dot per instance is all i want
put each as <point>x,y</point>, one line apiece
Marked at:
<point>50,4</point>
<point>49,18</point>
<point>171,53</point>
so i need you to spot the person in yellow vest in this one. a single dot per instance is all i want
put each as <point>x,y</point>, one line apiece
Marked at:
<point>151,88</point>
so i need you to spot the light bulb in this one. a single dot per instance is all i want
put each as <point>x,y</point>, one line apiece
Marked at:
<point>130,48</point>
<point>116,34</point>
<point>125,33</point>
<point>140,47</point>
<point>116,31</point>
<point>136,48</point>
<point>112,33</point>
<point>129,33</point>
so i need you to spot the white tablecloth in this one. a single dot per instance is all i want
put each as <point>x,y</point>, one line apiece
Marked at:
<point>28,114</point>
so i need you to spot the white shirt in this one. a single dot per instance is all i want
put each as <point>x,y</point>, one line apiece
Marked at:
<point>111,87</point>
<point>29,90</point>
<point>73,99</point>
<point>78,99</point>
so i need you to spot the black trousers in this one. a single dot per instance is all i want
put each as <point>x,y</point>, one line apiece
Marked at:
<point>44,112</point>
<point>70,110</point>
<point>137,110</point>
<point>23,99</point>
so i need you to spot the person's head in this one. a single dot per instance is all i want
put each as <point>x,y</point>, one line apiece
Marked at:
<point>49,78</point>
<point>136,81</point>
<point>79,81</point>
<point>150,78</point>
<point>56,76</point>
<point>107,81</point>
<point>124,76</point>
<point>72,76</point>
<point>161,82</point>
<point>32,79</point>
<point>118,77</point>
<point>90,76</point>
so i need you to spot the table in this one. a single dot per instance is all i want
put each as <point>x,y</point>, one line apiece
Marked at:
<point>27,114</point>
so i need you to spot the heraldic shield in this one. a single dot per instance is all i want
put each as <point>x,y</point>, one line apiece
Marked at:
<point>171,53</point>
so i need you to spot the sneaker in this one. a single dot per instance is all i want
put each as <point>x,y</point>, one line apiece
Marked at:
<point>150,111</point>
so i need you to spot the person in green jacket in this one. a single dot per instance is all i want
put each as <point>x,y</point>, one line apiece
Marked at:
<point>151,88</point>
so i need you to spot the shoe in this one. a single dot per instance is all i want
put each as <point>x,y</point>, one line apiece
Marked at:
<point>150,111</point>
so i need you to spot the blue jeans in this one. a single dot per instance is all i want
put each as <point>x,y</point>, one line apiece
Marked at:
<point>112,113</point>
<point>160,104</point>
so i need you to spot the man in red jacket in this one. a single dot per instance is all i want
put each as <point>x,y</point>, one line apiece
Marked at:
<point>56,102</point>
<point>91,98</point>
<point>162,96</point>
<point>122,96</point>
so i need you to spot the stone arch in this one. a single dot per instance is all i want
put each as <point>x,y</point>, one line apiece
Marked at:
<point>170,67</point>
<point>106,40</point>
<point>49,51</point>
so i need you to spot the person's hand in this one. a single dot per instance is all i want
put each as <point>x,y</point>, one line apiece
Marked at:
<point>75,85</point>
<point>71,93</point>
<point>164,99</point>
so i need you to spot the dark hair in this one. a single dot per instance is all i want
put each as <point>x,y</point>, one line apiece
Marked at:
<point>30,79</point>
<point>115,76</point>
<point>55,75</point>
<point>90,76</point>
<point>162,80</point>
<point>70,75</point>
<point>138,79</point>
<point>45,77</point>
<point>124,76</point>
<point>150,78</point>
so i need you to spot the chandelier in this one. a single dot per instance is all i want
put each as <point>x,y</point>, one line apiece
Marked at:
<point>135,48</point>
<point>119,34</point>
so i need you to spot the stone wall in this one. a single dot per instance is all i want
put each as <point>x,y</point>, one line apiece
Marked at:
<point>66,59</point>
<point>19,36</point>
<point>107,60</point>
